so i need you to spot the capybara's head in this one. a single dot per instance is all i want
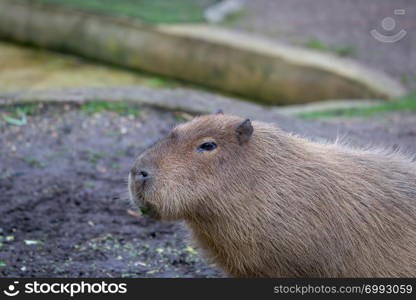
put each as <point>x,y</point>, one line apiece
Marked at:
<point>197,163</point>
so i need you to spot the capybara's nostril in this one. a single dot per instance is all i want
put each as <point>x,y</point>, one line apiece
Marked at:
<point>142,175</point>
<point>139,175</point>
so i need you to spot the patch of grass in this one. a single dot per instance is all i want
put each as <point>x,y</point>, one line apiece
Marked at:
<point>339,50</point>
<point>115,166</point>
<point>27,109</point>
<point>407,103</point>
<point>93,156</point>
<point>182,117</point>
<point>344,51</point>
<point>179,119</point>
<point>158,83</point>
<point>152,11</point>
<point>121,152</point>
<point>33,162</point>
<point>121,108</point>
<point>89,185</point>
<point>404,78</point>
<point>16,115</point>
<point>234,17</point>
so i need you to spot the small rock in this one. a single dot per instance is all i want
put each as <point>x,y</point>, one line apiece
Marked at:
<point>32,242</point>
<point>123,130</point>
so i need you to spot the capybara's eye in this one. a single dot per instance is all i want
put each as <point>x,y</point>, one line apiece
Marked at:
<point>208,146</point>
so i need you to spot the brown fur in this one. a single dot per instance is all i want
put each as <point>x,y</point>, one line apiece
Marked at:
<point>282,206</point>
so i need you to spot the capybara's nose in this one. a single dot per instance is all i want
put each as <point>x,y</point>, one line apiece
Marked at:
<point>140,176</point>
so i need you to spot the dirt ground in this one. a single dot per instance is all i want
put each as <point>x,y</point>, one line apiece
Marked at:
<point>63,200</point>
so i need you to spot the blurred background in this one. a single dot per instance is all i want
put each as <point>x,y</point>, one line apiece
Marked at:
<point>85,86</point>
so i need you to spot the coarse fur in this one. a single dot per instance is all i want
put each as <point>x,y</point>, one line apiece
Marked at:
<point>278,205</point>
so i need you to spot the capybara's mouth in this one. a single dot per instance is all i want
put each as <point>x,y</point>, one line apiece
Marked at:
<point>148,209</point>
<point>145,207</point>
<point>137,197</point>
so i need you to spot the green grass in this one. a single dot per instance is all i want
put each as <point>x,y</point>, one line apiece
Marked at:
<point>27,109</point>
<point>93,156</point>
<point>16,115</point>
<point>34,163</point>
<point>234,17</point>
<point>152,11</point>
<point>121,108</point>
<point>158,83</point>
<point>407,103</point>
<point>339,50</point>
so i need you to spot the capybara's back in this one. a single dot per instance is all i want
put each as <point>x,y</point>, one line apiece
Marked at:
<point>354,210</point>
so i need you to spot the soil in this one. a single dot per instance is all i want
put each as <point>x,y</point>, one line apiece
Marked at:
<point>63,197</point>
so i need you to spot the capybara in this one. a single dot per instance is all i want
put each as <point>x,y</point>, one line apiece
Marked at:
<point>265,203</point>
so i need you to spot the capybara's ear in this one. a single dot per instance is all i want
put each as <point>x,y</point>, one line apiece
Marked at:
<point>244,131</point>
